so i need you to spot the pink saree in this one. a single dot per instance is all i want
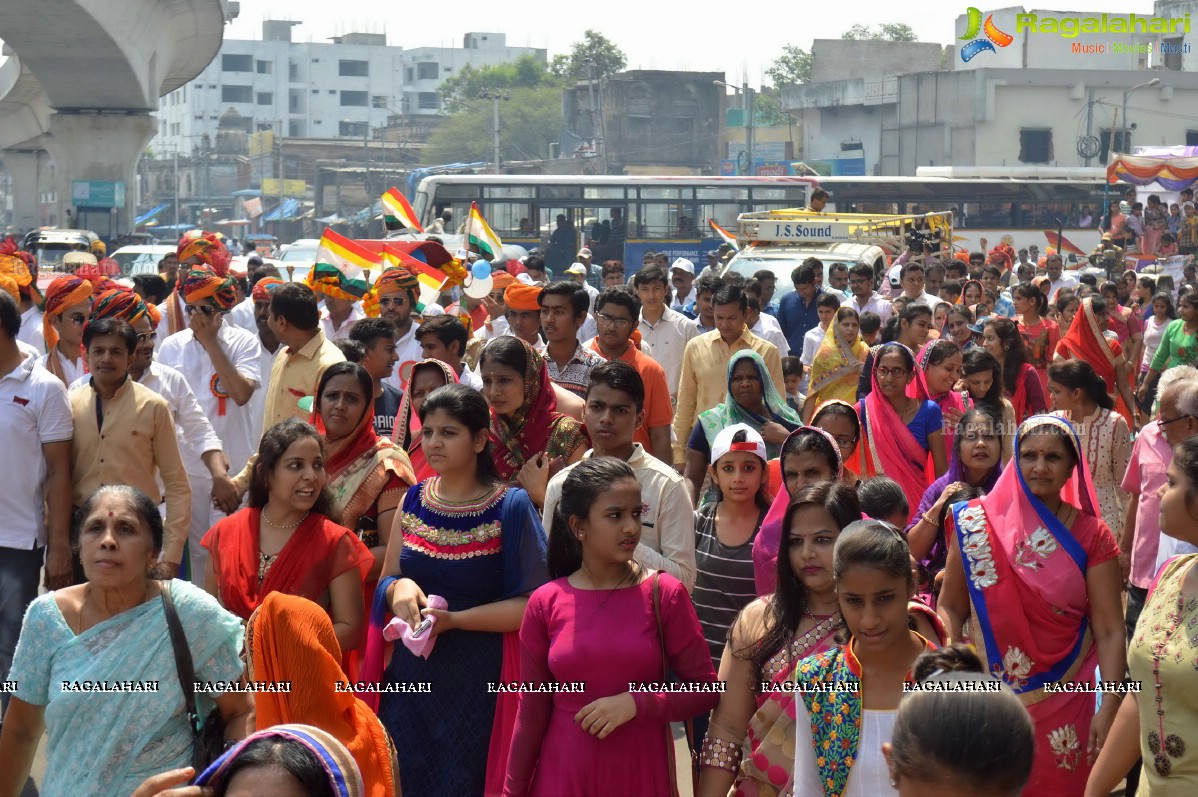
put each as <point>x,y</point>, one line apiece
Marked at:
<point>1026,577</point>
<point>887,446</point>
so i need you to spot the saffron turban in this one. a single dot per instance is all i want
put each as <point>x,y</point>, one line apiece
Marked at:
<point>155,315</point>
<point>62,293</point>
<point>263,288</point>
<point>208,249</point>
<point>500,280</point>
<point>203,283</point>
<point>7,283</point>
<point>329,285</point>
<point>521,297</point>
<point>17,267</point>
<point>119,303</point>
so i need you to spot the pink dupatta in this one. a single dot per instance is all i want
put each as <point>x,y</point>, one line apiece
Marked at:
<point>1026,577</point>
<point>887,446</point>
<point>767,544</point>
<point>952,400</point>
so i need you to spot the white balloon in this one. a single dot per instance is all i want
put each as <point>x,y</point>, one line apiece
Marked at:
<point>477,288</point>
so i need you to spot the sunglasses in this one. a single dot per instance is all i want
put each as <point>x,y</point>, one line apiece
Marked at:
<point>202,308</point>
<point>145,337</point>
<point>399,302</point>
<point>78,319</point>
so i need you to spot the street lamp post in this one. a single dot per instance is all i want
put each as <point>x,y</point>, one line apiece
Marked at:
<point>1106,193</point>
<point>1148,84</point>
<point>747,104</point>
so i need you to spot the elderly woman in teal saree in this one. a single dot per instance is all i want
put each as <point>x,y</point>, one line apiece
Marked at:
<point>95,664</point>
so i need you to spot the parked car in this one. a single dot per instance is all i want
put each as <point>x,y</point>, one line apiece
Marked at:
<point>135,260</point>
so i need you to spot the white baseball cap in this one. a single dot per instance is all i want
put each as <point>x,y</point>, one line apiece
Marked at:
<point>584,252</point>
<point>577,268</point>
<point>753,444</point>
<point>683,264</point>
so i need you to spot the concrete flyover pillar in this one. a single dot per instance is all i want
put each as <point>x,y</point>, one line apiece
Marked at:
<point>22,168</point>
<point>94,146</point>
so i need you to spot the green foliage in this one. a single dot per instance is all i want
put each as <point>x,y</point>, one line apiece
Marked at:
<point>793,66</point>
<point>890,31</point>
<point>527,123</point>
<point>595,57</point>
<point>525,72</point>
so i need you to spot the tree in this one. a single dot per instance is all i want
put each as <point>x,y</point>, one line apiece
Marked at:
<point>793,66</point>
<point>528,122</point>
<point>891,32</point>
<point>594,57</point>
<point>525,72</point>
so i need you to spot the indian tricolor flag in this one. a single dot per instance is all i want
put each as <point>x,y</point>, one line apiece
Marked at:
<point>397,213</point>
<point>728,237</point>
<point>346,261</point>
<point>480,234</point>
<point>431,280</point>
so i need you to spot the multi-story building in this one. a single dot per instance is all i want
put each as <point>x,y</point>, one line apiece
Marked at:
<point>345,88</point>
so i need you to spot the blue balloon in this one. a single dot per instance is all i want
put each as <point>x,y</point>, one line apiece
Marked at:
<point>481,269</point>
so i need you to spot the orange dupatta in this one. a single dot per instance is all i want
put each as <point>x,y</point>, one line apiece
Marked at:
<point>291,639</point>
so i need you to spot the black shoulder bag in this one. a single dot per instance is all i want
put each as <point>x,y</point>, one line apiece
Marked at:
<point>208,736</point>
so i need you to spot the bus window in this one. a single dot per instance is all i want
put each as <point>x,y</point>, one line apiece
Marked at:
<point>561,192</point>
<point>509,218</point>
<point>509,192</point>
<point>725,194</point>
<point>560,232</point>
<point>603,192</point>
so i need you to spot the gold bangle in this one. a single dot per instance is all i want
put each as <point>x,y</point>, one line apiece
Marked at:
<point>720,753</point>
<point>929,521</point>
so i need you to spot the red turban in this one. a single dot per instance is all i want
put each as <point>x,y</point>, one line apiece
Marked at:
<point>62,293</point>
<point>208,249</point>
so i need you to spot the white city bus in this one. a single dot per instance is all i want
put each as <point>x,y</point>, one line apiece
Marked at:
<point>669,214</point>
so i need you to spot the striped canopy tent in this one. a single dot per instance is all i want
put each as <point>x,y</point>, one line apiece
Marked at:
<point>1172,173</point>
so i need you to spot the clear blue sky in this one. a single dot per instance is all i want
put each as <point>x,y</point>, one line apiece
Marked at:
<point>739,39</point>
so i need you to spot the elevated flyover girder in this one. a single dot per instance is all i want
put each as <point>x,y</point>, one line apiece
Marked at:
<point>85,76</point>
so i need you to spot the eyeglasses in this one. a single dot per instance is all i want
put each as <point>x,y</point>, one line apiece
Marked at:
<point>206,309</point>
<point>145,337</point>
<point>612,320</point>
<point>78,319</point>
<point>887,373</point>
<point>1162,422</point>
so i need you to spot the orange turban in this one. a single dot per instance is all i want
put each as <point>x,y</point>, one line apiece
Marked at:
<point>62,293</point>
<point>263,287</point>
<point>119,303</point>
<point>7,283</point>
<point>13,265</point>
<point>155,315</point>
<point>521,297</point>
<point>203,283</point>
<point>500,280</point>
<point>209,249</point>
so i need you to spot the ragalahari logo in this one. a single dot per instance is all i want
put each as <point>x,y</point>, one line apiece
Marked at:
<point>994,36</point>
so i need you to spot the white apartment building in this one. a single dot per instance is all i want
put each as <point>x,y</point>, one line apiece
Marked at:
<point>346,88</point>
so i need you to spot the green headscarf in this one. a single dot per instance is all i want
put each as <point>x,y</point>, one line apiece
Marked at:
<point>724,415</point>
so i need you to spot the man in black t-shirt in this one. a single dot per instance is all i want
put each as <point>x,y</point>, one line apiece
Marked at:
<point>377,338</point>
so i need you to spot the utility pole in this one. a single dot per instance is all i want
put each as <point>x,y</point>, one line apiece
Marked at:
<point>1089,118</point>
<point>279,149</point>
<point>495,96</point>
<point>176,154</point>
<point>366,152</point>
<point>748,104</point>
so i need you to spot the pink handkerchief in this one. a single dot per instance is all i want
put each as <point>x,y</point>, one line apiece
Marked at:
<point>420,646</point>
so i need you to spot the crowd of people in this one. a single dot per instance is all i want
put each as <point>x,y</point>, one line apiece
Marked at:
<point>679,531</point>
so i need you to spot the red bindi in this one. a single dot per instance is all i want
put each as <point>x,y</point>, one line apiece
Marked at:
<point>109,514</point>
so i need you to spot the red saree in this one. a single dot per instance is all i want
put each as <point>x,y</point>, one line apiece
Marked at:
<point>952,400</point>
<point>318,551</point>
<point>406,434</point>
<point>537,427</point>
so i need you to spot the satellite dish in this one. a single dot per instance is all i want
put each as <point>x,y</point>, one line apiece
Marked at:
<point>1089,146</point>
